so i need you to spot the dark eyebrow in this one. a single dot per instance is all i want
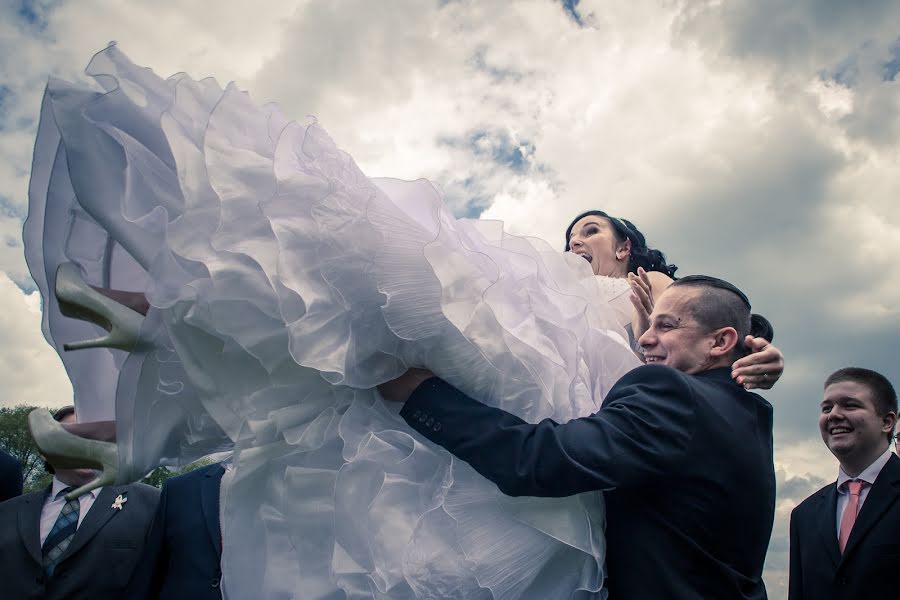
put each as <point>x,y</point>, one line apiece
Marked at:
<point>667,316</point>
<point>583,226</point>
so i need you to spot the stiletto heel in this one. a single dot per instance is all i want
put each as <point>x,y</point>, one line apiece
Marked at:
<point>78,300</point>
<point>65,450</point>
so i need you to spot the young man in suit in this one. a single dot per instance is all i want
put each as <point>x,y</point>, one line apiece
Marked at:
<point>682,452</point>
<point>844,538</point>
<point>184,550</point>
<point>84,548</point>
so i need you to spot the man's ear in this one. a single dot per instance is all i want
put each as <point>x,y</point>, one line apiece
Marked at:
<point>724,341</point>
<point>888,421</point>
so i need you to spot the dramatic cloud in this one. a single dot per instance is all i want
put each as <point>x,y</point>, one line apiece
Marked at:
<point>30,370</point>
<point>755,140</point>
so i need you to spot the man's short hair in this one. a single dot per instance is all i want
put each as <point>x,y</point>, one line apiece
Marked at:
<point>721,304</point>
<point>58,415</point>
<point>883,394</point>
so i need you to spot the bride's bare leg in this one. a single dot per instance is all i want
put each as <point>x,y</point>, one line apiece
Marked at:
<point>121,314</point>
<point>136,301</point>
<point>64,448</point>
<point>104,431</point>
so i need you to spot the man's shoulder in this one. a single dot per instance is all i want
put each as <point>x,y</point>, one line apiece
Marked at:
<point>142,490</point>
<point>890,470</point>
<point>192,478</point>
<point>13,505</point>
<point>649,381</point>
<point>654,374</point>
<point>811,504</point>
<point>8,462</point>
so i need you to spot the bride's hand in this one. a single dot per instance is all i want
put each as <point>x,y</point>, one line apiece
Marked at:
<point>400,389</point>
<point>761,368</point>
<point>642,300</point>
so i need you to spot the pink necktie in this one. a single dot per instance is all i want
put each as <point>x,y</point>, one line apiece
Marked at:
<point>850,511</point>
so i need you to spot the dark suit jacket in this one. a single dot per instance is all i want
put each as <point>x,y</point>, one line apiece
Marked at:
<point>870,565</point>
<point>99,561</point>
<point>10,476</point>
<point>185,545</point>
<point>685,462</point>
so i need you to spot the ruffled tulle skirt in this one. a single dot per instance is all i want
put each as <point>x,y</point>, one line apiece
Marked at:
<point>284,286</point>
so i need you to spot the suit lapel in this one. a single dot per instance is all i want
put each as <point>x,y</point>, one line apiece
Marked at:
<point>209,500</point>
<point>30,523</point>
<point>100,512</point>
<point>883,495</point>
<point>827,516</point>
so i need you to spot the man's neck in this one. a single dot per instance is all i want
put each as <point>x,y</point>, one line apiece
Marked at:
<point>854,467</point>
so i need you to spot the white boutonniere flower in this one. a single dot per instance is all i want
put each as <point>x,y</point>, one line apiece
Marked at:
<point>119,501</point>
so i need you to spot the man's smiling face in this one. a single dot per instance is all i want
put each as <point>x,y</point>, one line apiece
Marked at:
<point>675,338</point>
<point>851,425</point>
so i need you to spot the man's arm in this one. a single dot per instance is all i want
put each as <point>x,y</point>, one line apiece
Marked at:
<point>641,433</point>
<point>795,574</point>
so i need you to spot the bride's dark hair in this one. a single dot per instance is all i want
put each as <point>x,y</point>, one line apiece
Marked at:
<point>641,255</point>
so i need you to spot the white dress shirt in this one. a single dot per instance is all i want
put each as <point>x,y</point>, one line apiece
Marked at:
<point>869,475</point>
<point>53,506</point>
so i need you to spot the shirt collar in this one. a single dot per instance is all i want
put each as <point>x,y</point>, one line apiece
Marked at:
<point>869,474</point>
<point>59,486</point>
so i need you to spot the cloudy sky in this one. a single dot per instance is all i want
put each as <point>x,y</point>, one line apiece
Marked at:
<point>752,139</point>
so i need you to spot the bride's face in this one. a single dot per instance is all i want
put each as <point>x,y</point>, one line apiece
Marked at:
<point>594,238</point>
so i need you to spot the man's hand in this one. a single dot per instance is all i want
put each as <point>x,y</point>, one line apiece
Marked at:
<point>400,389</point>
<point>761,368</point>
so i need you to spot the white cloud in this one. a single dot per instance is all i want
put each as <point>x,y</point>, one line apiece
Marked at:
<point>30,370</point>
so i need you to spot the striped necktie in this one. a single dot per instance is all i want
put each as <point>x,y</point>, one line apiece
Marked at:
<point>61,534</point>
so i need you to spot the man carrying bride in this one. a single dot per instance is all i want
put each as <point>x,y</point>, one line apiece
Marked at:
<point>269,297</point>
<point>682,452</point>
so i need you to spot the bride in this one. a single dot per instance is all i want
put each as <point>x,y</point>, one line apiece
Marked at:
<point>276,287</point>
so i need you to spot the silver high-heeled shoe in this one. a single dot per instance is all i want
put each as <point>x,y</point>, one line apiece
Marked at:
<point>80,301</point>
<point>65,450</point>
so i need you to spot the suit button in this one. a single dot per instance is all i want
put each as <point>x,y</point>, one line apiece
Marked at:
<point>437,426</point>
<point>214,582</point>
<point>422,418</point>
<point>417,413</point>
<point>429,422</point>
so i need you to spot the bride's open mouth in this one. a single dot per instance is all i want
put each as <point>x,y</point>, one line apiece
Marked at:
<point>586,257</point>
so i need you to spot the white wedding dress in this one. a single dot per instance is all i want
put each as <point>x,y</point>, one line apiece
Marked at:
<point>285,285</point>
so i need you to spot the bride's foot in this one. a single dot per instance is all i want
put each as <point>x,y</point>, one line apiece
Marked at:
<point>80,301</point>
<point>65,450</point>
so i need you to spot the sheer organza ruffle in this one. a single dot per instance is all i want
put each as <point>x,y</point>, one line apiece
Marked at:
<point>284,286</point>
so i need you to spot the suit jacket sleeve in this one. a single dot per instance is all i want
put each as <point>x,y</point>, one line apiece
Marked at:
<point>795,576</point>
<point>147,577</point>
<point>643,431</point>
<point>10,477</point>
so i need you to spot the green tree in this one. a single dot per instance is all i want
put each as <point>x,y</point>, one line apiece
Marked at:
<point>158,476</point>
<point>16,439</point>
